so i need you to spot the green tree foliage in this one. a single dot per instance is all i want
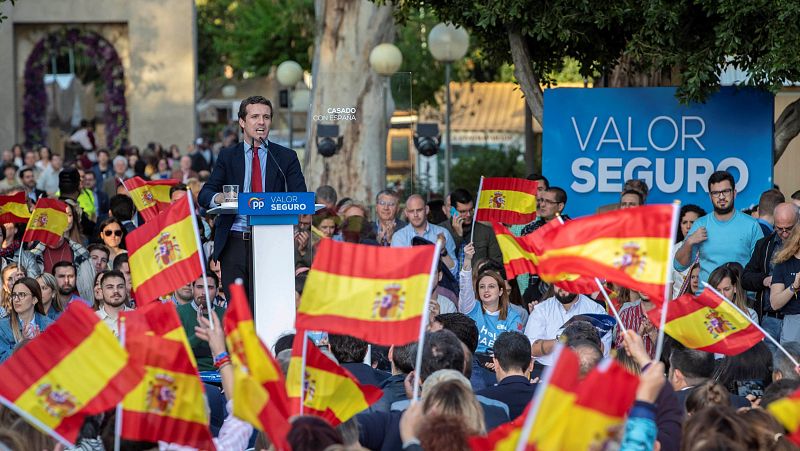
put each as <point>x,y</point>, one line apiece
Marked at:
<point>467,171</point>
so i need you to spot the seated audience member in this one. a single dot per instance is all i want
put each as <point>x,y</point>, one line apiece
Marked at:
<point>512,364</point>
<point>635,318</point>
<point>402,360</point>
<point>310,433</point>
<point>26,318</point>
<point>189,312</point>
<point>467,332</point>
<point>350,353</point>
<point>718,427</point>
<point>115,298</point>
<point>746,374</point>
<point>707,394</point>
<point>690,368</point>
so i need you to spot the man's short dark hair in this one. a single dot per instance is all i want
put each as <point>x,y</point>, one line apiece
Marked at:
<point>99,247</point>
<point>119,260</point>
<point>347,349</point>
<point>589,355</point>
<point>442,351</point>
<point>721,176</point>
<point>638,194</point>
<point>177,187</point>
<point>327,193</point>
<point>64,264</point>
<point>796,195</point>
<point>769,200</point>
<point>777,390</point>
<point>536,177</point>
<point>105,151</point>
<point>283,342</point>
<point>462,326</point>
<point>581,331</point>
<point>782,364</point>
<point>213,276</point>
<point>513,351</point>
<point>28,169</point>
<point>121,207</point>
<point>561,195</point>
<point>112,273</point>
<point>404,357</point>
<point>460,196</point>
<point>253,100</point>
<point>692,363</point>
<point>383,192</point>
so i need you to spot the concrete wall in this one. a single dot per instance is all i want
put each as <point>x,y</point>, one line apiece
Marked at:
<point>155,40</point>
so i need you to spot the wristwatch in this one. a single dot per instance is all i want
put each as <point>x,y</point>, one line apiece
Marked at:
<point>792,288</point>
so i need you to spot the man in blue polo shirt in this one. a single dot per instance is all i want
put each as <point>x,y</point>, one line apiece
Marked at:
<point>722,236</point>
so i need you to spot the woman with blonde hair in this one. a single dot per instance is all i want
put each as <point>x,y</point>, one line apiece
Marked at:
<point>50,303</point>
<point>448,392</point>
<point>785,285</point>
<point>26,319</point>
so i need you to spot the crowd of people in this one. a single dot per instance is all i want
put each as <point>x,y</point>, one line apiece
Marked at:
<point>490,337</point>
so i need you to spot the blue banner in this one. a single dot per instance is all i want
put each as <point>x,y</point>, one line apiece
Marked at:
<point>268,204</point>
<point>596,139</point>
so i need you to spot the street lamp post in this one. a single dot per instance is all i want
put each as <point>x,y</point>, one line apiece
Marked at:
<point>289,73</point>
<point>447,43</point>
<point>385,59</point>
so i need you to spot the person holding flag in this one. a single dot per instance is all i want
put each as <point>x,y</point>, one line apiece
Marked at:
<point>464,229</point>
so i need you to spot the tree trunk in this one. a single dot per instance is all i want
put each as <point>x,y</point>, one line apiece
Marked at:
<point>347,30</point>
<point>787,127</point>
<point>521,57</point>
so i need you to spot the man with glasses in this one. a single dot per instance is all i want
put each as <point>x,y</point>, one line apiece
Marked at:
<point>757,275</point>
<point>549,204</point>
<point>387,203</point>
<point>460,225</point>
<point>722,236</point>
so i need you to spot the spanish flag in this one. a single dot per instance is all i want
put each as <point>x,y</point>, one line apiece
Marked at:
<point>151,197</point>
<point>14,208</point>
<point>259,389</point>
<point>47,223</point>
<point>628,247</point>
<point>169,403</point>
<point>329,391</point>
<point>520,257</point>
<point>547,417</point>
<point>74,369</point>
<point>787,412</point>
<point>708,323</point>
<point>375,293</point>
<point>157,319</point>
<point>508,200</point>
<point>164,252</point>
<point>597,409</point>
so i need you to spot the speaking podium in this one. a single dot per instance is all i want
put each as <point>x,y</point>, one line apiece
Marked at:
<point>272,217</point>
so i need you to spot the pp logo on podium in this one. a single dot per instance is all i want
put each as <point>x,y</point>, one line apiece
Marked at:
<point>256,203</point>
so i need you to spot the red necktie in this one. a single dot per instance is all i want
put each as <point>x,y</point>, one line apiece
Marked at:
<point>255,178</point>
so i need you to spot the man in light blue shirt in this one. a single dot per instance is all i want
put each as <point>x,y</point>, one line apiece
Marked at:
<point>723,236</point>
<point>418,225</point>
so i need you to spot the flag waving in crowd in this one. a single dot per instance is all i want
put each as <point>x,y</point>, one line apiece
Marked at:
<point>73,369</point>
<point>259,388</point>
<point>164,254</point>
<point>507,200</point>
<point>14,208</point>
<point>149,197</point>
<point>48,222</point>
<point>378,294</point>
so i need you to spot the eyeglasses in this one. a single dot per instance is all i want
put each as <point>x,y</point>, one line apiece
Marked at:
<point>784,229</point>
<point>549,202</point>
<point>386,203</point>
<point>19,296</point>
<point>723,193</point>
<point>114,232</point>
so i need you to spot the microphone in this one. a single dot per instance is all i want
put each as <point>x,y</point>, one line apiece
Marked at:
<point>269,154</point>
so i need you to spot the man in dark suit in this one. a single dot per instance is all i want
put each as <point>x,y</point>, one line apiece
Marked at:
<point>513,364</point>
<point>690,368</point>
<point>272,168</point>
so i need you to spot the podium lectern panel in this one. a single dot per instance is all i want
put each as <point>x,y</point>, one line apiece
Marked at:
<point>272,217</point>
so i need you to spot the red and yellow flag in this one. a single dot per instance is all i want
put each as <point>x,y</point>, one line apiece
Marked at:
<point>150,198</point>
<point>787,412</point>
<point>329,391</point>
<point>169,403</point>
<point>550,408</point>
<point>708,323</point>
<point>597,409</point>
<point>47,223</point>
<point>163,253</point>
<point>14,208</point>
<point>628,247</point>
<point>375,293</point>
<point>259,389</point>
<point>158,319</point>
<point>74,369</point>
<point>508,200</point>
<point>520,257</point>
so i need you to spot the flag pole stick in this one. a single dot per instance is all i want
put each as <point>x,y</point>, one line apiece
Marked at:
<point>610,304</point>
<point>530,419</point>
<point>477,206</point>
<point>423,324</point>
<point>303,371</point>
<point>668,279</point>
<point>754,323</point>
<point>201,256</point>
<point>118,418</point>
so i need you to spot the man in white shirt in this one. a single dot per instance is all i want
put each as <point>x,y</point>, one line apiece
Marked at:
<point>549,316</point>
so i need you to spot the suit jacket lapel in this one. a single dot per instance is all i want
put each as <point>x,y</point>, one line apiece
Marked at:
<point>237,165</point>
